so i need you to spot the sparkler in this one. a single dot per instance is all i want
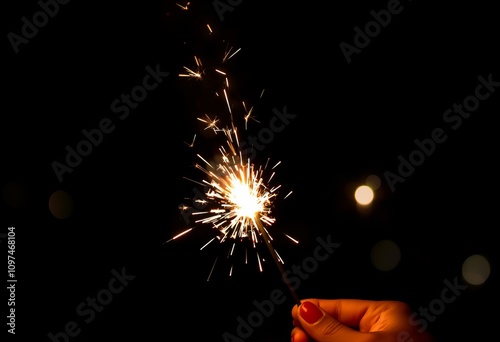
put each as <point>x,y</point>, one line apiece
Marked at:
<point>239,195</point>
<point>239,200</point>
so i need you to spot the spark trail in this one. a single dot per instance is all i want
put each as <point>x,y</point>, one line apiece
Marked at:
<point>239,195</point>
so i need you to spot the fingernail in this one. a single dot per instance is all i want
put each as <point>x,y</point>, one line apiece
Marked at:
<point>310,312</point>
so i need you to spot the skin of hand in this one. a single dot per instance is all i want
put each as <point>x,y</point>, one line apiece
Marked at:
<point>355,320</point>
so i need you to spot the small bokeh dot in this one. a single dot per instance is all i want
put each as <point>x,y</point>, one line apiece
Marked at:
<point>363,195</point>
<point>373,182</point>
<point>61,204</point>
<point>385,255</point>
<point>476,269</point>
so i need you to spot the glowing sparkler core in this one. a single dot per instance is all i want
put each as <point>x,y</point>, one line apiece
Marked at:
<point>241,196</point>
<point>248,199</point>
<point>247,202</point>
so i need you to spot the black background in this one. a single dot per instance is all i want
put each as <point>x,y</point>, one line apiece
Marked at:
<point>352,120</point>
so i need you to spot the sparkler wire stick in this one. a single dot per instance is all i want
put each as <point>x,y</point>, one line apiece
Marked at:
<point>276,261</point>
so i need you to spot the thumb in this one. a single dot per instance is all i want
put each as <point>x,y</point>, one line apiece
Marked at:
<point>322,327</point>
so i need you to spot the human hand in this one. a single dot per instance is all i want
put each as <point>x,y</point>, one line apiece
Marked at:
<point>354,320</point>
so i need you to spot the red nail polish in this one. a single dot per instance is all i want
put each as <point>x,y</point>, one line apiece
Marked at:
<point>310,312</point>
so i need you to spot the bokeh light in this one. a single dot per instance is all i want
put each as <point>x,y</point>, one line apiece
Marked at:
<point>373,181</point>
<point>364,195</point>
<point>61,204</point>
<point>385,255</point>
<point>476,269</point>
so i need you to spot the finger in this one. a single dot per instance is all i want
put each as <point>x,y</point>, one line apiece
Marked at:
<point>295,313</point>
<point>355,313</point>
<point>320,326</point>
<point>299,335</point>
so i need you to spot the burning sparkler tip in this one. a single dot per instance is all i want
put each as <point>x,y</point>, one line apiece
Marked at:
<point>238,196</point>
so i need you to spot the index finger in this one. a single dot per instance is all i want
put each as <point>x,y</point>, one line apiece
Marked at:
<point>356,313</point>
